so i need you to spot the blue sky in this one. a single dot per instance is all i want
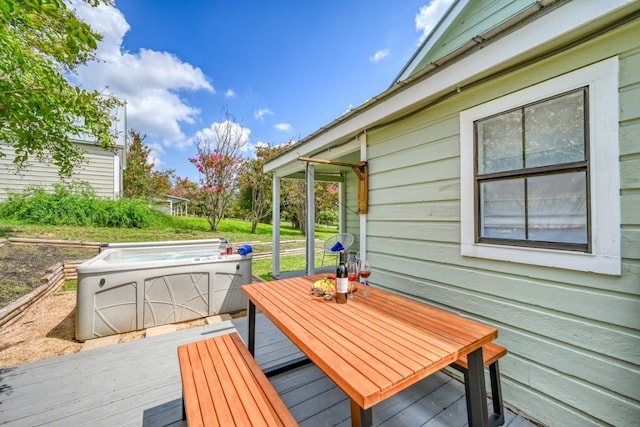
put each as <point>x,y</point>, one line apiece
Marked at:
<point>282,69</point>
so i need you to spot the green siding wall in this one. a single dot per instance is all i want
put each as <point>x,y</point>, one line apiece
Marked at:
<point>573,337</point>
<point>477,18</point>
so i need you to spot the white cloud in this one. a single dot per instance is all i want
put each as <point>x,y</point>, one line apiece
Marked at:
<point>283,126</point>
<point>154,155</point>
<point>381,54</point>
<point>107,21</point>
<point>429,15</point>
<point>260,114</point>
<point>230,93</point>
<point>149,81</point>
<point>349,108</point>
<point>236,131</point>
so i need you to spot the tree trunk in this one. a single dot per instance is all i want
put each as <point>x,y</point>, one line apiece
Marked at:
<point>212,222</point>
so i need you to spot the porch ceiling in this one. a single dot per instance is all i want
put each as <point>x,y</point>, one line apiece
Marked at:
<point>297,169</point>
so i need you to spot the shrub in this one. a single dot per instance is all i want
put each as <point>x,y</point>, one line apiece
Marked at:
<point>328,217</point>
<point>79,206</point>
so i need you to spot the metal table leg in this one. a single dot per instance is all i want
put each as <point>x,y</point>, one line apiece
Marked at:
<point>476,397</point>
<point>251,342</point>
<point>360,417</point>
<point>497,419</point>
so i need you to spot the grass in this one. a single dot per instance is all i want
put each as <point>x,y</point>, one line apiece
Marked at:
<point>69,285</point>
<point>182,228</point>
<point>10,291</point>
<point>263,267</point>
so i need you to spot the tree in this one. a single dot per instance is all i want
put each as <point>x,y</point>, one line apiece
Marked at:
<point>139,178</point>
<point>218,163</point>
<point>294,207</point>
<point>255,185</point>
<point>41,44</point>
<point>293,194</point>
<point>327,194</point>
<point>136,175</point>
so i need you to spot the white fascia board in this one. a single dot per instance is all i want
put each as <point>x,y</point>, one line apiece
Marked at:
<point>543,30</point>
<point>450,15</point>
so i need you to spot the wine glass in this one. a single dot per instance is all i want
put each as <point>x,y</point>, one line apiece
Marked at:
<point>365,272</point>
<point>352,270</point>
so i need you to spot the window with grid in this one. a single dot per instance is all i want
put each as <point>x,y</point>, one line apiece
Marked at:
<point>540,173</point>
<point>532,174</point>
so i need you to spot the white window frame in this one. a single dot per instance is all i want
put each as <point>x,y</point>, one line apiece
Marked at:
<point>604,167</point>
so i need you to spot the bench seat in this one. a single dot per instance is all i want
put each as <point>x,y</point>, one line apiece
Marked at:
<point>490,354</point>
<point>222,385</point>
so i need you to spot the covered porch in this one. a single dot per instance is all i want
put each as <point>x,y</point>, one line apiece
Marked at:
<point>343,163</point>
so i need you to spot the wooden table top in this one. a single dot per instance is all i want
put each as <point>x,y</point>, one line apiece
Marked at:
<point>373,346</point>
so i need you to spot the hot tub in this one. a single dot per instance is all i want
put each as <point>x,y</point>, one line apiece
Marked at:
<point>132,286</point>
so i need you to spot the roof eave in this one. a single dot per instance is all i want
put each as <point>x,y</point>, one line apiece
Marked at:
<point>431,81</point>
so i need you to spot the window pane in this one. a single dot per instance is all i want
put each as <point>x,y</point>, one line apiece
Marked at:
<point>554,131</point>
<point>500,143</point>
<point>558,208</point>
<point>502,209</point>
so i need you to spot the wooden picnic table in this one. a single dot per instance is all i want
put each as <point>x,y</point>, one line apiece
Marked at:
<point>376,345</point>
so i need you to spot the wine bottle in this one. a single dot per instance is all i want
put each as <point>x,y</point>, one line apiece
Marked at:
<point>342,281</point>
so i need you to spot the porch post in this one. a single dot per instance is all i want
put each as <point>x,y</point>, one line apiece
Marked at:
<point>275,203</point>
<point>311,218</point>
<point>363,216</point>
<point>342,202</point>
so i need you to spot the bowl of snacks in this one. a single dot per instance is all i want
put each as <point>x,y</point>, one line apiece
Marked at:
<point>327,286</point>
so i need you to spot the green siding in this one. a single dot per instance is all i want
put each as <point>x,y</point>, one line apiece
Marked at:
<point>573,337</point>
<point>478,17</point>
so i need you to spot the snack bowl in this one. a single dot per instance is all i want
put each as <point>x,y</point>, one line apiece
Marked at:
<point>328,296</point>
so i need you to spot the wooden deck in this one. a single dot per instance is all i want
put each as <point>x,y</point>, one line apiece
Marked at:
<point>138,384</point>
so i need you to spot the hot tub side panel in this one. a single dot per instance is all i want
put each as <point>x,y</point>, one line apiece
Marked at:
<point>182,294</point>
<point>177,297</point>
<point>112,302</point>
<point>106,305</point>
<point>226,295</point>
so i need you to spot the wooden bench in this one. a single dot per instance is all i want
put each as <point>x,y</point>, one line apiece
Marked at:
<point>490,354</point>
<point>222,385</point>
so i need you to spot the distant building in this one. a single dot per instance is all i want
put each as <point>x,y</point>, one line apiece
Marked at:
<point>102,169</point>
<point>172,205</point>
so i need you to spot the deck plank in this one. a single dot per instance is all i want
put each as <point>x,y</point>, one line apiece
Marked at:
<point>138,384</point>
